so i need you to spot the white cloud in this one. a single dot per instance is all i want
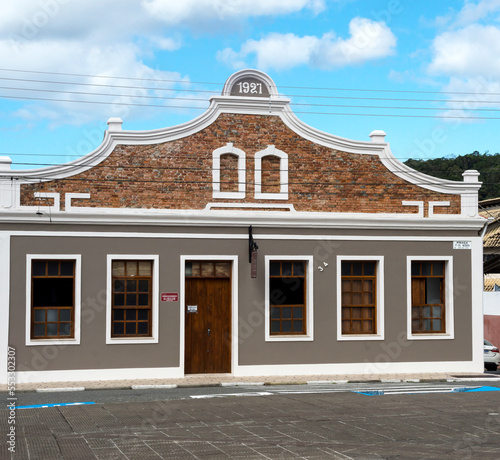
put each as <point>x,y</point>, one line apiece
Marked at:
<point>96,37</point>
<point>165,44</point>
<point>477,92</point>
<point>468,52</point>
<point>473,11</point>
<point>473,97</point>
<point>116,60</point>
<point>208,11</point>
<point>368,40</point>
<point>108,21</point>
<point>113,20</point>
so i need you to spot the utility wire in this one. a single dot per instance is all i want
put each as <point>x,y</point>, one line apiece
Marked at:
<point>202,170</point>
<point>302,111</point>
<point>208,183</point>
<point>204,100</point>
<point>287,95</point>
<point>221,84</point>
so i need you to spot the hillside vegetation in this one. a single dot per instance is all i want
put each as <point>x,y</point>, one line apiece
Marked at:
<point>452,168</point>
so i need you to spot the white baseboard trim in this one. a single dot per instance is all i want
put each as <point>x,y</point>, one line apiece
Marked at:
<point>375,369</point>
<point>89,375</point>
<point>380,368</point>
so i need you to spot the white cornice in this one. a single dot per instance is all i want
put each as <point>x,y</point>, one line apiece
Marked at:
<point>233,218</point>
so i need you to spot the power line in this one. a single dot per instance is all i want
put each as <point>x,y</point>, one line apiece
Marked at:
<point>208,171</point>
<point>132,104</point>
<point>209,183</point>
<point>287,95</point>
<point>221,84</point>
<point>113,77</point>
<point>86,93</point>
<point>204,100</point>
<point>106,86</point>
<point>101,102</point>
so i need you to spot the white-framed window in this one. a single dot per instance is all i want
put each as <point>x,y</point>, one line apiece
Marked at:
<point>132,298</point>
<point>289,305</point>
<point>360,298</point>
<point>430,313</point>
<point>53,299</point>
<point>221,177</point>
<point>277,171</point>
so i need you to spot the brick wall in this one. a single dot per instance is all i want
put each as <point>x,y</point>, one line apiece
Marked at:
<point>178,174</point>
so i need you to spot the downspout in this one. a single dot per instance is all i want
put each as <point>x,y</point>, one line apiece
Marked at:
<point>488,222</point>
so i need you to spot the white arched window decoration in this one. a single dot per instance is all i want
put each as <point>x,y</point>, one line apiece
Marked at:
<point>283,193</point>
<point>231,150</point>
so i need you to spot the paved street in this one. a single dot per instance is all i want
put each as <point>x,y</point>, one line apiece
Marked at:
<point>291,424</point>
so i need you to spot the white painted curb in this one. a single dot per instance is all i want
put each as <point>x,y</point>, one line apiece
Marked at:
<point>151,387</point>
<point>241,384</point>
<point>53,390</point>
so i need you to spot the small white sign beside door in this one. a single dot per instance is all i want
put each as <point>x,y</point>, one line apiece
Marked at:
<point>192,308</point>
<point>462,245</point>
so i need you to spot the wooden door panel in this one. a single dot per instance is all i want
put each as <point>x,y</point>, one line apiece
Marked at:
<point>219,293</point>
<point>195,341</point>
<point>208,352</point>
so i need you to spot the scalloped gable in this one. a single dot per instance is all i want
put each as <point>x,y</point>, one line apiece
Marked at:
<point>172,168</point>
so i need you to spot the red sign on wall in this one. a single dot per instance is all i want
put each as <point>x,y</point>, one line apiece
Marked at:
<point>169,297</point>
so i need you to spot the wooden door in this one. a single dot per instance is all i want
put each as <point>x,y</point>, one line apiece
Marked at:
<point>208,326</point>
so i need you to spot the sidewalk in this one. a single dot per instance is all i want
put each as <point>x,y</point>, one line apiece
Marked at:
<point>227,379</point>
<point>308,426</point>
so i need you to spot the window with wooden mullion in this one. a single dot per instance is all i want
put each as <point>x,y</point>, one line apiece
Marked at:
<point>131,298</point>
<point>428,292</point>
<point>287,297</point>
<point>359,280</point>
<point>52,299</point>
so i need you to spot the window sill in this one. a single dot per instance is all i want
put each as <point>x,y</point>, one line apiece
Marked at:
<point>271,196</point>
<point>228,195</point>
<point>130,341</point>
<point>436,336</point>
<point>58,341</point>
<point>289,338</point>
<point>358,337</point>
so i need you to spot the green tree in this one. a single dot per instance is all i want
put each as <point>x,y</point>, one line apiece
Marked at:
<point>452,167</point>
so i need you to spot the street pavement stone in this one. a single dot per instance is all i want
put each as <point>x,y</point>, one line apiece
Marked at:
<point>338,426</point>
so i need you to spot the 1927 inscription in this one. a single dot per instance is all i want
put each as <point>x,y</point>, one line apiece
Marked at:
<point>252,88</point>
<point>249,86</point>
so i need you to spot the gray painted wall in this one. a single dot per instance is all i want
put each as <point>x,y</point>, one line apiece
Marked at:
<point>93,353</point>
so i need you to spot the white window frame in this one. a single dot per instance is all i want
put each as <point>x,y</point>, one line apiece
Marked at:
<point>154,301</point>
<point>77,306</point>
<point>380,305</point>
<point>309,335</point>
<point>228,149</point>
<point>283,193</point>
<point>449,311</point>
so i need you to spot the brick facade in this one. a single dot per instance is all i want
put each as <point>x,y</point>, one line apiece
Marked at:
<point>178,174</point>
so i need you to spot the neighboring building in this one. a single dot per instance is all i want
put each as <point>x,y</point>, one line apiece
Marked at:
<point>242,242</point>
<point>490,209</point>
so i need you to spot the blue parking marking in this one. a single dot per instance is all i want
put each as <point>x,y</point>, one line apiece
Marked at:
<point>38,406</point>
<point>474,390</point>
<point>425,390</point>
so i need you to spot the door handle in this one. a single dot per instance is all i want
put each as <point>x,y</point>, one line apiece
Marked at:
<point>208,331</point>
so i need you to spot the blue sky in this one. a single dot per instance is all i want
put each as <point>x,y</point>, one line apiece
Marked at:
<point>427,73</point>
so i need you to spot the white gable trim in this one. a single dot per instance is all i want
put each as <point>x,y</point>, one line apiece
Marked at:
<point>272,106</point>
